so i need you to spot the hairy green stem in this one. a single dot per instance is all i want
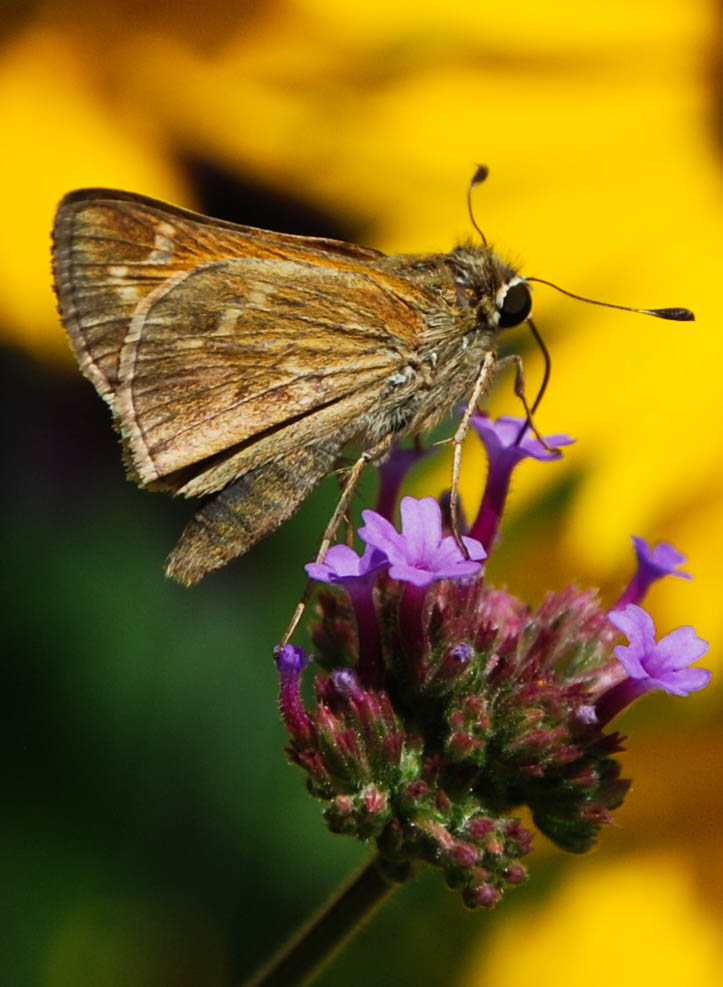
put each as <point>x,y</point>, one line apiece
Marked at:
<point>319,939</point>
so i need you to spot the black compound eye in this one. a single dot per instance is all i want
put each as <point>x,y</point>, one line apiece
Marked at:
<point>516,305</point>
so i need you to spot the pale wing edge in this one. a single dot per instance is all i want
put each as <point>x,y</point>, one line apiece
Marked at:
<point>342,248</point>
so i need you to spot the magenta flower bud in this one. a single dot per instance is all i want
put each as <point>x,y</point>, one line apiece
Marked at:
<point>482,896</point>
<point>375,801</point>
<point>346,682</point>
<point>518,840</point>
<point>516,874</point>
<point>464,854</point>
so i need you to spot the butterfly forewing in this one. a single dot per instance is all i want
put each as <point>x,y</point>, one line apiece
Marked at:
<point>221,348</point>
<point>236,347</point>
<point>99,262</point>
<point>201,335</point>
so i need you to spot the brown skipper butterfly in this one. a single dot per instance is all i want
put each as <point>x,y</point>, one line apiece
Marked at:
<point>238,363</point>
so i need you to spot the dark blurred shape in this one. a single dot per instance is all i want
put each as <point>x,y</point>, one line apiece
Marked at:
<point>55,433</point>
<point>205,27</point>
<point>15,14</point>
<point>224,195</point>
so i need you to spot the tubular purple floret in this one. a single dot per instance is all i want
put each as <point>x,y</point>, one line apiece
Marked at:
<point>357,575</point>
<point>411,628</point>
<point>391,476</point>
<point>652,564</point>
<point>291,662</point>
<point>504,452</point>
<point>651,664</point>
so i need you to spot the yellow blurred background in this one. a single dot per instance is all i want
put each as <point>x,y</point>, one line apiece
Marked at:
<point>601,124</point>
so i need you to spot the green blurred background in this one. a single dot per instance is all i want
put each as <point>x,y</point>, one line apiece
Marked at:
<point>153,833</point>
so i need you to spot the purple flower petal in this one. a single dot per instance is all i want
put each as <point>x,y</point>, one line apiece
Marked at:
<point>421,526</point>
<point>678,649</point>
<point>638,627</point>
<point>662,560</point>
<point>420,554</point>
<point>500,439</point>
<point>291,661</point>
<point>342,563</point>
<point>404,573</point>
<point>683,681</point>
<point>661,664</point>
<point>476,551</point>
<point>381,534</point>
<point>651,664</point>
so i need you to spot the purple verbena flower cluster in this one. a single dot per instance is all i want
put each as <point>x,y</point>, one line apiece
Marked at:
<point>443,703</point>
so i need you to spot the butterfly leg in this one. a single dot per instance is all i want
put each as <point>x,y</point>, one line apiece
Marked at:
<point>488,368</point>
<point>348,529</point>
<point>516,360</point>
<point>352,480</point>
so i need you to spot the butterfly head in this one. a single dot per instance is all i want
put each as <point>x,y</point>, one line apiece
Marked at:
<point>499,295</point>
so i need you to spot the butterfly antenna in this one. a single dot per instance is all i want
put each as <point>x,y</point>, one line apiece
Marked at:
<point>477,179</point>
<point>674,314</point>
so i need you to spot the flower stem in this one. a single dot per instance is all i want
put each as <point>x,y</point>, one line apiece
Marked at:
<point>370,667</point>
<point>312,946</point>
<point>487,522</point>
<point>411,626</point>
